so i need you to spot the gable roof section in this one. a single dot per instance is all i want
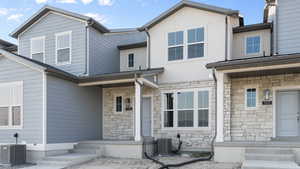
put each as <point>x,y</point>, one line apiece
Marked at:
<point>39,66</point>
<point>92,22</point>
<point>254,27</point>
<point>188,3</point>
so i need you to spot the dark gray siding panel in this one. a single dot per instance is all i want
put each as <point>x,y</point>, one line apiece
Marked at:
<point>104,54</point>
<point>48,27</point>
<point>73,112</point>
<point>32,131</point>
<point>288,26</point>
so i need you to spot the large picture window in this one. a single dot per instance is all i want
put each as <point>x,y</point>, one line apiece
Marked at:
<point>175,44</point>
<point>11,103</point>
<point>186,109</point>
<point>63,48</point>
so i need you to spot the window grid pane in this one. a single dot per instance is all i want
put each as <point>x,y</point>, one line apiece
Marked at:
<point>186,118</point>
<point>119,104</point>
<point>37,45</point>
<point>168,118</point>
<point>63,55</point>
<point>203,118</point>
<point>196,50</point>
<point>4,116</point>
<point>251,97</point>
<point>196,35</point>
<point>175,53</point>
<point>131,60</point>
<point>63,41</point>
<point>16,115</point>
<point>185,100</point>
<point>253,45</point>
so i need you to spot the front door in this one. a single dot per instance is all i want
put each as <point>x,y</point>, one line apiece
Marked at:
<point>146,117</point>
<point>288,113</point>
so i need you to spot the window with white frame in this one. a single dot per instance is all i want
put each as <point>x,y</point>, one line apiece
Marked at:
<point>119,104</point>
<point>11,104</point>
<point>195,43</point>
<point>63,48</point>
<point>175,46</point>
<point>131,60</point>
<point>251,97</point>
<point>38,48</point>
<point>186,109</point>
<point>253,45</point>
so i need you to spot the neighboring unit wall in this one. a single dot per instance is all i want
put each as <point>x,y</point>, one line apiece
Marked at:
<point>73,113</point>
<point>288,26</point>
<point>140,59</point>
<point>32,130</point>
<point>48,26</point>
<point>188,69</point>
<point>104,56</point>
<point>239,43</point>
<point>256,124</point>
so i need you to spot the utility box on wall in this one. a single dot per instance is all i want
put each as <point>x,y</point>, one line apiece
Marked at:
<point>13,154</point>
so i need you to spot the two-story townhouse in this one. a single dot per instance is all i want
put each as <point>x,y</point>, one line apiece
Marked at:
<point>258,92</point>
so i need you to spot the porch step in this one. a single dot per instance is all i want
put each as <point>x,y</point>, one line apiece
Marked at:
<point>260,164</point>
<point>270,157</point>
<point>89,148</point>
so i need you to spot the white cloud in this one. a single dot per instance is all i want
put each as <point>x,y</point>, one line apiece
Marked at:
<point>14,17</point>
<point>66,1</point>
<point>86,1</point>
<point>3,11</point>
<point>106,2</point>
<point>41,1</point>
<point>98,17</point>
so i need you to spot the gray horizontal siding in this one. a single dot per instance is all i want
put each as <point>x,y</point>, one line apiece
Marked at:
<point>73,112</point>
<point>32,101</point>
<point>288,26</point>
<point>48,27</point>
<point>103,52</point>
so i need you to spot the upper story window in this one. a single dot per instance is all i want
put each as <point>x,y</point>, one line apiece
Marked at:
<point>131,60</point>
<point>11,105</point>
<point>251,98</point>
<point>253,45</point>
<point>63,48</point>
<point>195,43</point>
<point>175,46</point>
<point>38,48</point>
<point>186,109</point>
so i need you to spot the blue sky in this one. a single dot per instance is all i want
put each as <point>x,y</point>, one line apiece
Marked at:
<point>114,13</point>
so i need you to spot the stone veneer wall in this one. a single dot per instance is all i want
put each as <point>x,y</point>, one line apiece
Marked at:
<point>196,139</point>
<point>120,125</point>
<point>254,125</point>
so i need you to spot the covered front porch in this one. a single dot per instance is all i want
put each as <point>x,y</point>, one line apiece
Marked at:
<point>258,106</point>
<point>127,110</point>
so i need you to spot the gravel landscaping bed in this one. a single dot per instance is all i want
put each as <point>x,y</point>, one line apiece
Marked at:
<point>112,163</point>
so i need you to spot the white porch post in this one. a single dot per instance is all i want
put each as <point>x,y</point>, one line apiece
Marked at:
<point>138,100</point>
<point>220,106</point>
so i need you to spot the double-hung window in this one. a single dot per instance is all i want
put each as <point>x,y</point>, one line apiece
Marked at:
<point>253,45</point>
<point>195,43</point>
<point>251,98</point>
<point>186,109</point>
<point>11,105</point>
<point>38,48</point>
<point>175,46</point>
<point>131,60</point>
<point>63,48</point>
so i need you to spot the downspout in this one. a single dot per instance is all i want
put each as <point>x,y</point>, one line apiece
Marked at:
<point>86,49</point>
<point>148,46</point>
<point>216,110</point>
<point>274,30</point>
<point>226,38</point>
